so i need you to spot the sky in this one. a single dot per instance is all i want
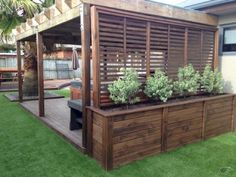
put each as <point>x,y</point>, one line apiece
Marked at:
<point>172,2</point>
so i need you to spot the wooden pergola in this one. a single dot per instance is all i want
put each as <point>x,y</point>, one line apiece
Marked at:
<point>78,22</point>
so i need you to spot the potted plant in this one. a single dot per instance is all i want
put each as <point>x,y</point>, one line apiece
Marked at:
<point>188,82</point>
<point>158,87</point>
<point>125,89</point>
<point>211,81</point>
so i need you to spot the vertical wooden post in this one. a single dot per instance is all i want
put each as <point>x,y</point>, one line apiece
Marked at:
<point>85,43</point>
<point>39,41</point>
<point>164,129</point>
<point>168,51</point>
<point>201,49</point>
<point>95,56</point>
<point>19,71</point>
<point>107,143</point>
<point>233,123</point>
<point>204,117</point>
<point>89,147</point>
<point>124,43</point>
<point>148,36</point>
<point>216,50</point>
<point>186,47</point>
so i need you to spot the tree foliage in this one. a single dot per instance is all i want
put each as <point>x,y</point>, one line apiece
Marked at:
<point>8,14</point>
<point>159,86</point>
<point>125,89</point>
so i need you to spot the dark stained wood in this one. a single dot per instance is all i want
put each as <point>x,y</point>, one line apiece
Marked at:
<point>95,55</point>
<point>127,40</point>
<point>129,135</point>
<point>155,18</point>
<point>164,129</point>
<point>97,140</point>
<point>107,146</point>
<point>148,47</point>
<point>219,118</point>
<point>39,41</point>
<point>89,132</point>
<point>233,114</point>
<point>57,117</point>
<point>224,98</point>
<point>85,55</point>
<point>216,49</point>
<point>184,125</point>
<point>186,47</point>
<point>19,71</point>
<point>204,116</point>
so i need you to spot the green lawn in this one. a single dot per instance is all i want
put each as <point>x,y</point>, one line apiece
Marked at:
<point>62,92</point>
<point>29,149</point>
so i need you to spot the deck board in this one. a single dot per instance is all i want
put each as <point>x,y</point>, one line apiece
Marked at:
<point>57,117</point>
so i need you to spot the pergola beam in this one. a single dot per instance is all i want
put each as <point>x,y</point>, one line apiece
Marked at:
<point>39,41</point>
<point>154,8</point>
<point>44,23</point>
<point>62,6</point>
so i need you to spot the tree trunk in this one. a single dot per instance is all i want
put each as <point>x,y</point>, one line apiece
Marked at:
<point>30,84</point>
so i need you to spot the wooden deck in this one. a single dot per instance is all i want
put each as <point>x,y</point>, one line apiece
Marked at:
<point>48,85</point>
<point>57,116</point>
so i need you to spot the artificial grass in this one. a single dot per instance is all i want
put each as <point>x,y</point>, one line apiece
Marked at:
<point>29,149</point>
<point>62,92</point>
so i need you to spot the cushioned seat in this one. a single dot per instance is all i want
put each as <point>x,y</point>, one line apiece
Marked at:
<point>75,104</point>
<point>78,84</point>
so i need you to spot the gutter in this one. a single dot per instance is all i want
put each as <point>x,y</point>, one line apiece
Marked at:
<point>209,3</point>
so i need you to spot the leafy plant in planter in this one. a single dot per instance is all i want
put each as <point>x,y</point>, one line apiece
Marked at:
<point>212,81</point>
<point>188,81</point>
<point>125,89</point>
<point>159,86</point>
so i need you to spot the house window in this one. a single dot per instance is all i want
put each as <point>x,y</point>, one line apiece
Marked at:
<point>229,39</point>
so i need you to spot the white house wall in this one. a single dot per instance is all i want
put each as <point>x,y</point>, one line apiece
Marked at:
<point>227,63</point>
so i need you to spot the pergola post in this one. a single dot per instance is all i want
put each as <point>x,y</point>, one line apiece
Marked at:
<point>19,71</point>
<point>39,41</point>
<point>216,50</point>
<point>85,55</point>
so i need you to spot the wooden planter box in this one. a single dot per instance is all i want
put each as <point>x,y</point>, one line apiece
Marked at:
<point>120,137</point>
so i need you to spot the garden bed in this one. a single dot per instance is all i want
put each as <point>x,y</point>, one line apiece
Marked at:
<point>117,137</point>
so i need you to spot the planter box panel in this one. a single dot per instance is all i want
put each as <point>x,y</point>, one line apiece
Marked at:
<point>183,139</point>
<point>184,112</point>
<point>136,135</point>
<point>97,137</point>
<point>120,137</point>
<point>219,117</point>
<point>184,124</point>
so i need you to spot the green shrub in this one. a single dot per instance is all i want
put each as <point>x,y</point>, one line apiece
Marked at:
<point>158,86</point>
<point>212,81</point>
<point>188,81</point>
<point>124,90</point>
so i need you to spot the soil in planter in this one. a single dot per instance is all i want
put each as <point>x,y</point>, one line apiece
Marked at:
<point>158,102</point>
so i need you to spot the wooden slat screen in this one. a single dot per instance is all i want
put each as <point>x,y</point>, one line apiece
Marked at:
<point>145,43</point>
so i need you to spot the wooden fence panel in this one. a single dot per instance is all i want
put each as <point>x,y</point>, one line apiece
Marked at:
<point>129,40</point>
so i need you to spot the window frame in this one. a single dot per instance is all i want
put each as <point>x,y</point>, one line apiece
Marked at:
<point>222,33</point>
